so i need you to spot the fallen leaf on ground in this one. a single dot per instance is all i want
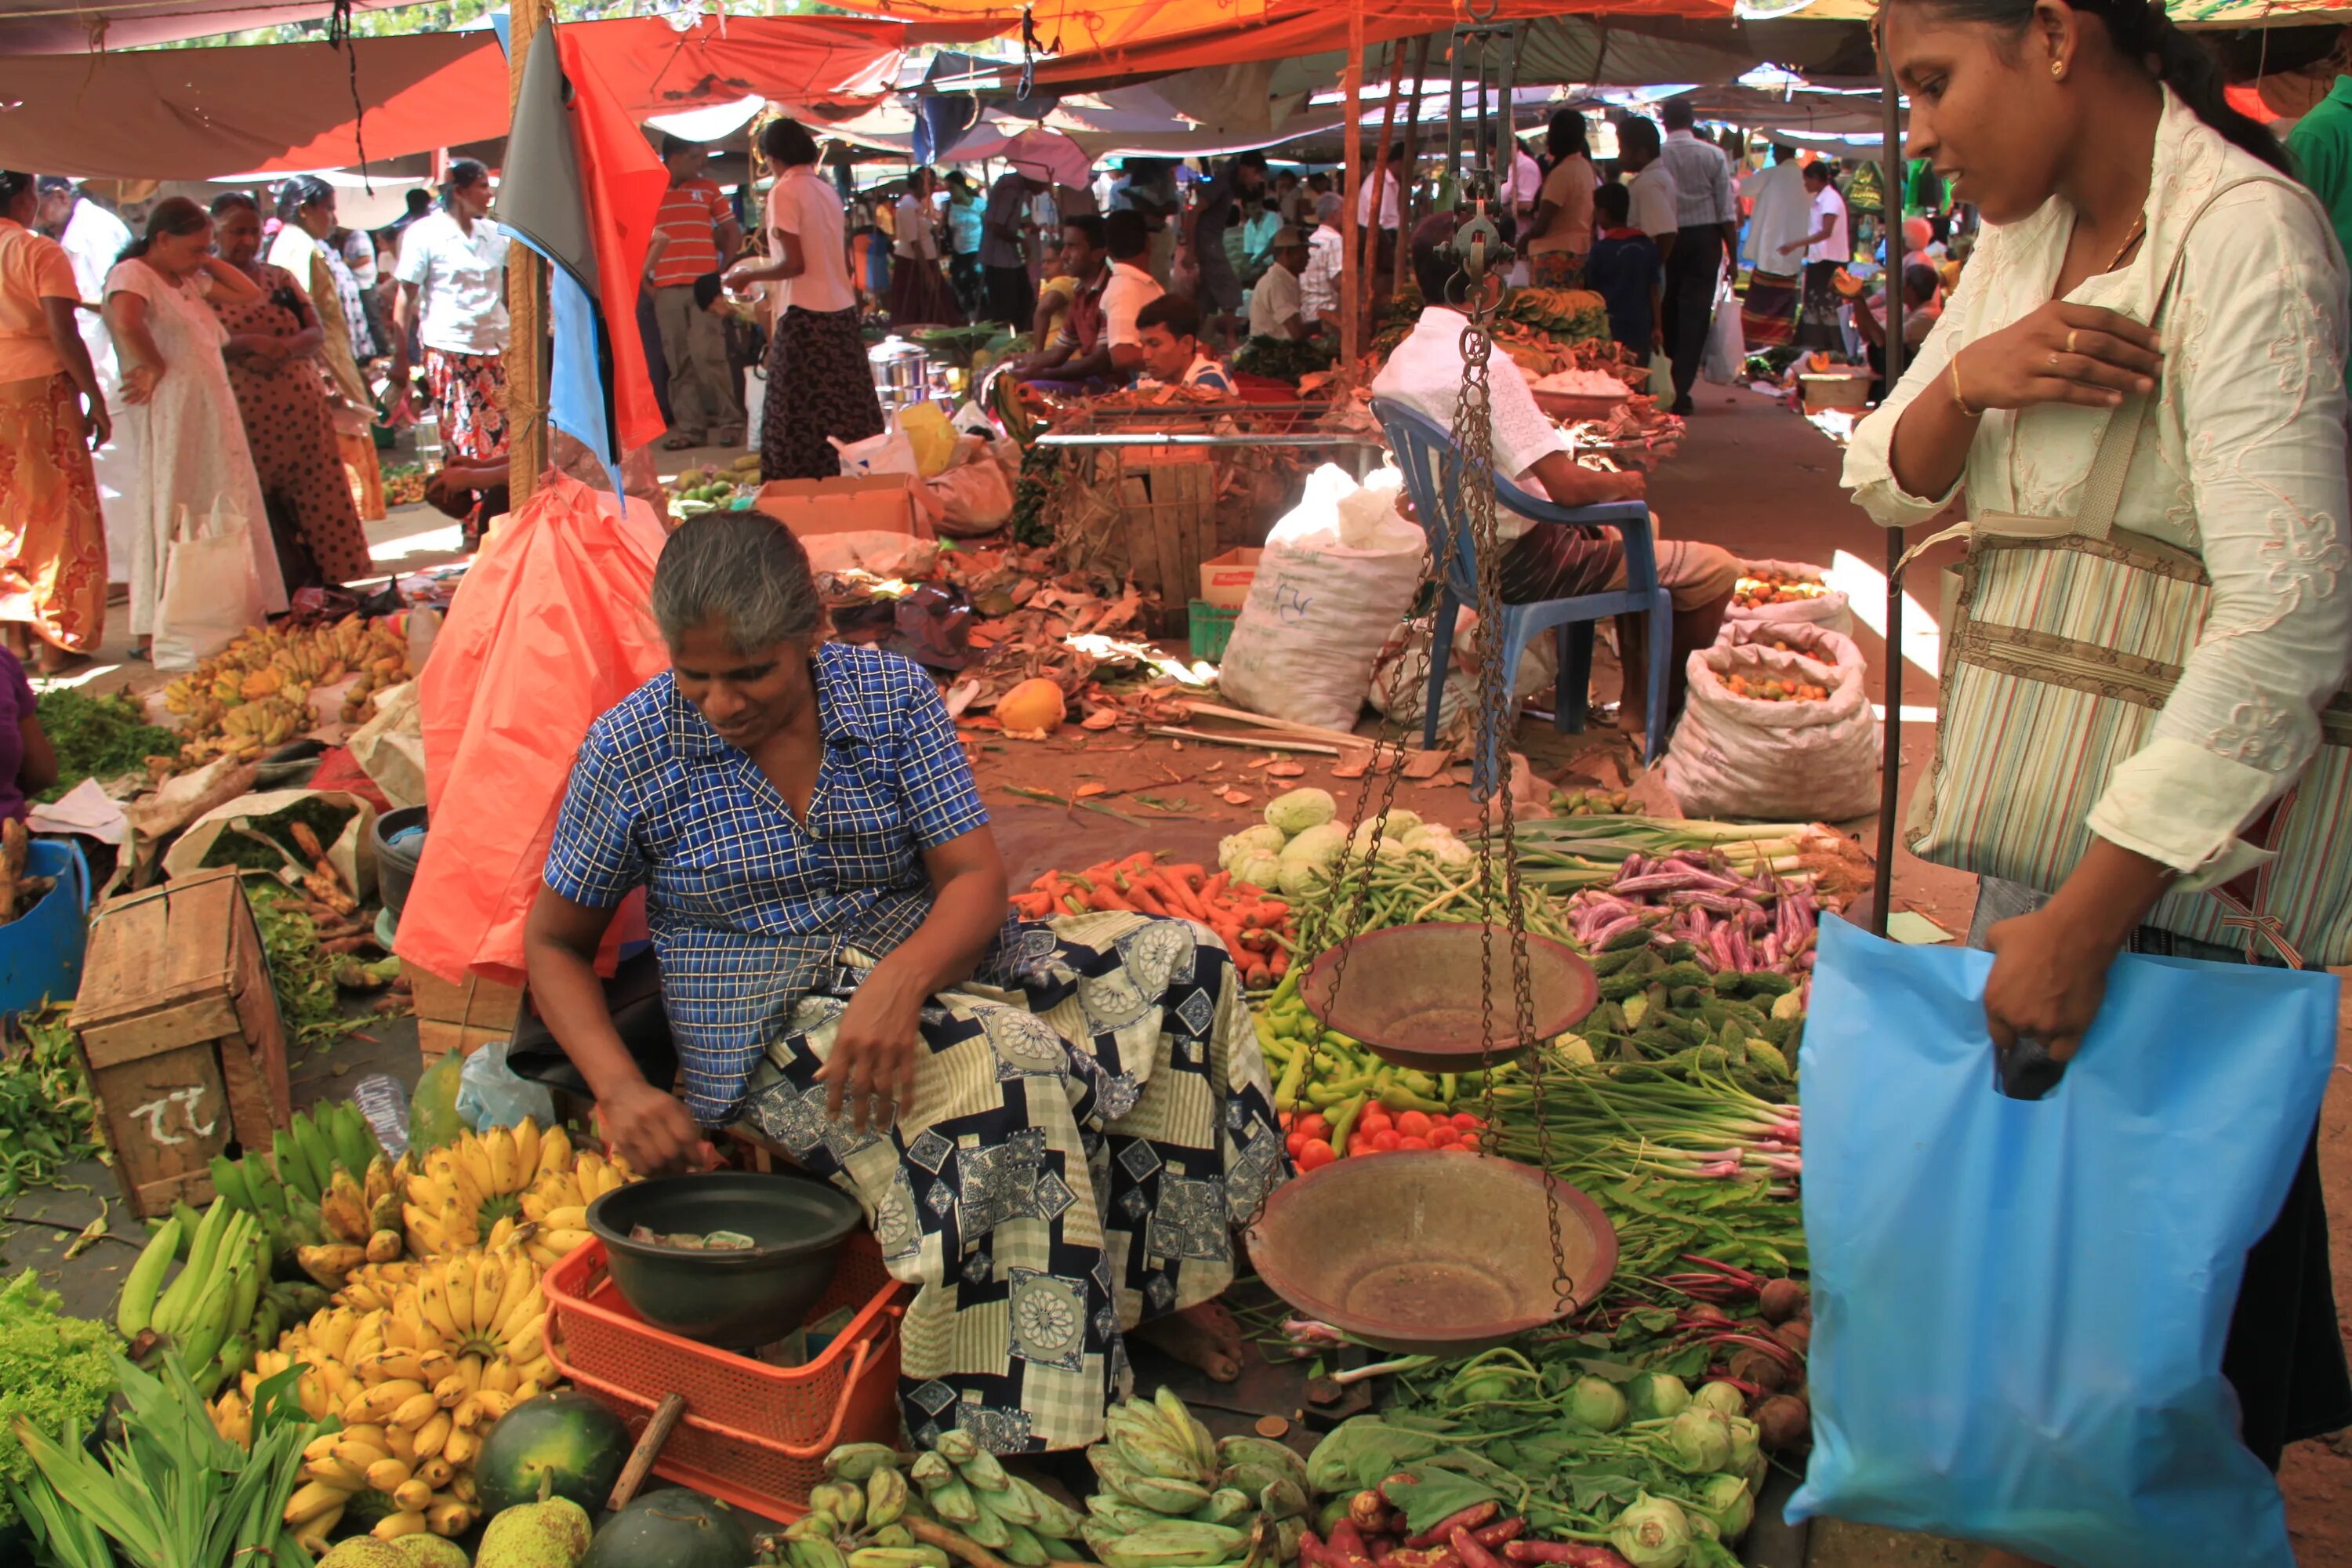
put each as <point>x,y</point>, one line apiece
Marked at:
<point>1286,771</point>
<point>1085,790</point>
<point>1237,797</point>
<point>1100,719</point>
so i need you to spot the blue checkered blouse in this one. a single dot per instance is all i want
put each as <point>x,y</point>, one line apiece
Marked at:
<point>750,911</point>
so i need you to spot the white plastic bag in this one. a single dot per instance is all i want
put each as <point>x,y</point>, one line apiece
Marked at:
<point>1400,688</point>
<point>493,1094</point>
<point>889,453</point>
<point>1727,342</point>
<point>1811,759</point>
<point>1338,573</point>
<point>1827,609</point>
<point>211,589</point>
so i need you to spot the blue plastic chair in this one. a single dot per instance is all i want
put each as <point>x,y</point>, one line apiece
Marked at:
<point>1425,452</point>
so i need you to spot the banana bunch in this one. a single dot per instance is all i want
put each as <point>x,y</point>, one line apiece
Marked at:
<point>1164,1502</point>
<point>222,1308</point>
<point>416,1384</point>
<point>324,1195</point>
<point>475,1191</point>
<point>858,1518</point>
<point>1275,1475</point>
<point>968,1490</point>
<point>255,692</point>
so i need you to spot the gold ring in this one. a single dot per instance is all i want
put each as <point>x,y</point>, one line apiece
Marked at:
<point>2070,339</point>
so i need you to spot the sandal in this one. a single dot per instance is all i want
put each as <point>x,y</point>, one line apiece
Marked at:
<point>680,444</point>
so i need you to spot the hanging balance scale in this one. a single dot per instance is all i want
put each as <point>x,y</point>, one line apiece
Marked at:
<point>1428,1252</point>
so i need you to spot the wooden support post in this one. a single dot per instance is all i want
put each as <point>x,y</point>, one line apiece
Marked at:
<point>1408,211</point>
<point>526,356</point>
<point>1381,175</point>
<point>1351,274</point>
<point>1890,778</point>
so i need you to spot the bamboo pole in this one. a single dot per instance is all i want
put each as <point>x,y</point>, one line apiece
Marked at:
<point>1408,210</point>
<point>1380,184</point>
<point>526,357</point>
<point>1351,277</point>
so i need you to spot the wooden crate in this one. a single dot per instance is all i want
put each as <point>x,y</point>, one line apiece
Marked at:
<point>179,1030</point>
<point>1168,499</point>
<point>462,1018</point>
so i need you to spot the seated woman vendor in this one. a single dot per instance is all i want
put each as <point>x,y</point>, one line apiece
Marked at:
<point>1053,1128</point>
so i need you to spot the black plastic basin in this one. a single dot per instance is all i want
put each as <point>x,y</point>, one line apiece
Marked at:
<point>735,1299</point>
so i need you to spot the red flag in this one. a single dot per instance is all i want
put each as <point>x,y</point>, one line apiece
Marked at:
<point>624,183</point>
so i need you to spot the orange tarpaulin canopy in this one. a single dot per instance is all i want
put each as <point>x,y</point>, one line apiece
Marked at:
<point>194,114</point>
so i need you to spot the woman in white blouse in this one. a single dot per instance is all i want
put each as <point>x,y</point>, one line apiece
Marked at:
<point>2093,175</point>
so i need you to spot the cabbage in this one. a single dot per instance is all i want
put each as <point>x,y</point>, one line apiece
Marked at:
<point>1446,851</point>
<point>1701,1440</point>
<point>1595,1402</point>
<point>1654,1395</point>
<point>1258,870</point>
<point>1652,1533</point>
<point>1239,846</point>
<point>1301,878</point>
<point>1723,1398</point>
<point>1307,859</point>
<point>1301,809</point>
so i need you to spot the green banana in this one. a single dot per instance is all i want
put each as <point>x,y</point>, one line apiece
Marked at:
<point>208,1321</point>
<point>1172,1411</point>
<point>897,1557</point>
<point>858,1461</point>
<point>136,1311</point>
<point>1263,1455</point>
<point>1161,1494</point>
<point>351,1135</point>
<point>957,1447</point>
<point>266,1320</point>
<point>984,1526</point>
<point>1172,1543</point>
<point>172,1314</point>
<point>189,1221</point>
<point>1149,1453</point>
<point>318,1155</point>
<point>1052,1516</point>
<point>840,1498</point>
<point>931,1472</point>
<point>983,1472</point>
<point>1110,1508</point>
<point>1288,1534</point>
<point>1109,1469</point>
<point>816,1525</point>
<point>1225,1506</point>
<point>1205,1451</point>
<point>893,1535</point>
<point>1281,1498</point>
<point>1058,1550</point>
<point>886,1498</point>
<point>291,1170</point>
<point>249,1282</point>
<point>228,1181</point>
<point>268,1192</point>
<point>954,1502</point>
<point>1010,1504</point>
<point>1021,1549</point>
<point>814,1552</point>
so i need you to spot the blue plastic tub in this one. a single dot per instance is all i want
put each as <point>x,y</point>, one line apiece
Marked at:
<point>40,950</point>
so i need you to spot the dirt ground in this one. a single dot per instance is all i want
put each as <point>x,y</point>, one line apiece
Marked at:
<point>1751,477</point>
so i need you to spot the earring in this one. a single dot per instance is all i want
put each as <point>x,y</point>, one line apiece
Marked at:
<point>2058,69</point>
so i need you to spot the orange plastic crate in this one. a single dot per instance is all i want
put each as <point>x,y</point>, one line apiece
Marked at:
<point>754,1435</point>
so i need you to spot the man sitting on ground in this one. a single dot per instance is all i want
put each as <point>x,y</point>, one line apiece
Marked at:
<point>1172,353</point>
<point>1101,342</point>
<point>1548,560</point>
<point>1277,303</point>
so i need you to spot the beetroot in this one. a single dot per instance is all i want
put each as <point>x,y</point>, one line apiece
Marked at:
<point>1797,1335</point>
<point>1780,1299</point>
<point>1785,1423</point>
<point>1756,1367</point>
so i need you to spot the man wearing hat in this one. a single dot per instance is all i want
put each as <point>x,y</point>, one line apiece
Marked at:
<point>1277,301</point>
<point>695,235</point>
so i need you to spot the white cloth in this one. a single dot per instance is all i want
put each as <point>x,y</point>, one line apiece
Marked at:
<point>802,205</point>
<point>93,238</point>
<point>1783,210</point>
<point>1273,301</point>
<point>2253,352</point>
<point>916,238</point>
<point>186,444</point>
<point>1523,183</point>
<point>1829,207</point>
<point>1389,218</point>
<point>359,254</point>
<point>1654,202</point>
<point>1129,289</point>
<point>1701,181</point>
<point>1424,374</point>
<point>461,282</point>
<point>1319,285</point>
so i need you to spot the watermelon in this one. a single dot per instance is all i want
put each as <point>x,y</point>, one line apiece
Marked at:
<point>673,1528</point>
<point>565,1441</point>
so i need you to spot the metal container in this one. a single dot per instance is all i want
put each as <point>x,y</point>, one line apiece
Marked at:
<point>733,1298</point>
<point>901,373</point>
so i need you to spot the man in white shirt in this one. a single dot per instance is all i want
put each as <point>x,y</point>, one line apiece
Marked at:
<point>1547,560</point>
<point>1781,207</point>
<point>94,239</point>
<point>1104,332</point>
<point>453,274</point>
<point>1653,204</point>
<point>1276,301</point>
<point>1707,230</point>
<point>1319,285</point>
<point>1383,250</point>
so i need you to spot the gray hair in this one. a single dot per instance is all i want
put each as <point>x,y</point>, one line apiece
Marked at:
<point>742,570</point>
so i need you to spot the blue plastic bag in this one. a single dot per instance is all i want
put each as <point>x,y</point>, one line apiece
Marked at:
<point>2019,1304</point>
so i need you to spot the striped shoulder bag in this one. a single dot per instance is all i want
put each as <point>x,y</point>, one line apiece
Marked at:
<point>2064,637</point>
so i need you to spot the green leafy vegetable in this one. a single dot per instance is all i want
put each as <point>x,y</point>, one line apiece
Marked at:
<point>304,976</point>
<point>1282,359</point>
<point>1364,1452</point>
<point>1434,1493</point>
<point>99,738</point>
<point>53,1369</point>
<point>46,1116</point>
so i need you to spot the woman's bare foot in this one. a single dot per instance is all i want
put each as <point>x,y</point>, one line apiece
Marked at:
<point>50,659</point>
<point>1206,1337</point>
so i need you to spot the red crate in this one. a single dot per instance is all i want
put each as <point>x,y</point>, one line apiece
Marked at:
<point>753,1434</point>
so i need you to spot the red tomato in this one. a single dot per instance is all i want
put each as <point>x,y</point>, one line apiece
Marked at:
<point>1466,1122</point>
<point>1293,1142</point>
<point>1374,1120</point>
<point>1421,1143</point>
<point>1314,1154</point>
<point>1282,1118</point>
<point>1412,1124</point>
<point>1444,1133</point>
<point>1314,1125</point>
<point>1469,1141</point>
<point>1384,1139</point>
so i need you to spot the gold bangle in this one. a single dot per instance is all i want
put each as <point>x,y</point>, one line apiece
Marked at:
<point>1959,401</point>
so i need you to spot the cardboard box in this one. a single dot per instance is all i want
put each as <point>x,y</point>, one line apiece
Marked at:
<point>1225,579</point>
<point>477,1003</point>
<point>436,1039</point>
<point>876,503</point>
<point>1831,391</point>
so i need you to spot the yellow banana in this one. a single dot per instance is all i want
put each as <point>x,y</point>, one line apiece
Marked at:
<point>532,1304</point>
<point>554,1152</point>
<point>489,1284</point>
<point>313,1499</point>
<point>392,1526</point>
<point>334,1473</point>
<point>416,1411</point>
<point>402,1440</point>
<point>522,1280</point>
<point>312,1536</point>
<point>379,1401</point>
<point>464,1489</point>
<point>498,1143</point>
<point>437,1472</point>
<point>526,1343</point>
<point>388,1473</point>
<point>450,1519</point>
<point>457,1289</point>
<point>571,1217</point>
<point>412,1497</point>
<point>461,1448</point>
<point>499,1376</point>
<point>526,1147</point>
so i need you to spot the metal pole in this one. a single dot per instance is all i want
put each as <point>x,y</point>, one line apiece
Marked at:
<point>1890,772</point>
<point>1351,93</point>
<point>1453,117</point>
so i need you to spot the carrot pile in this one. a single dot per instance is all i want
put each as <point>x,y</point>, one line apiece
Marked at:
<point>1255,928</point>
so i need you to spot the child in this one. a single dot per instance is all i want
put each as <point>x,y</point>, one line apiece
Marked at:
<point>1172,354</point>
<point>1624,271</point>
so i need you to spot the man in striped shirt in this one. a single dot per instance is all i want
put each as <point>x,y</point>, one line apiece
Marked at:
<point>1706,231</point>
<point>695,235</point>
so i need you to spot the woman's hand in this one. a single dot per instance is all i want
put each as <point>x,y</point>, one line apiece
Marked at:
<point>2060,353</point>
<point>652,1130</point>
<point>875,1051</point>
<point>139,383</point>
